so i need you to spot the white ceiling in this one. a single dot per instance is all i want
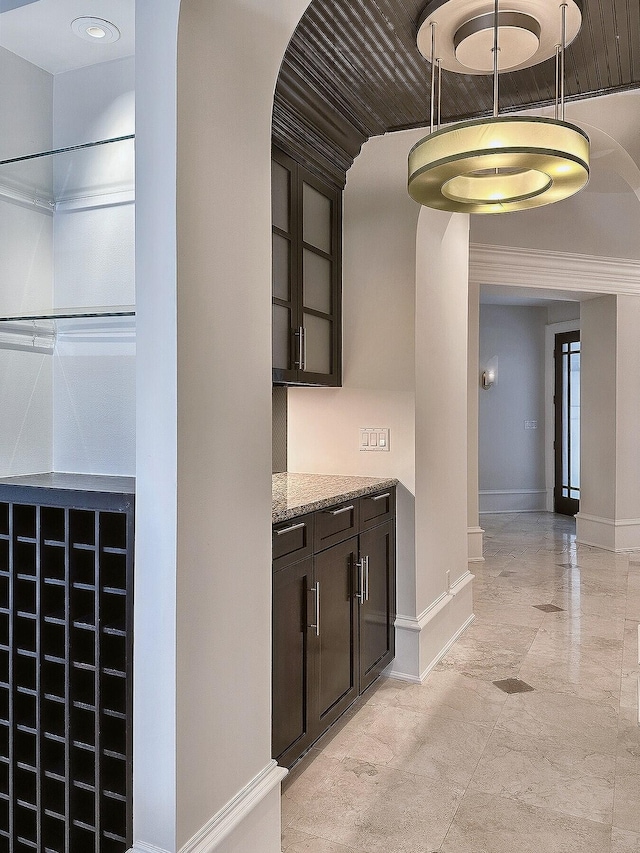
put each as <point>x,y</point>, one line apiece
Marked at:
<point>40,32</point>
<point>534,297</point>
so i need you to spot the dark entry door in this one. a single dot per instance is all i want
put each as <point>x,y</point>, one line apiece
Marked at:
<point>567,423</point>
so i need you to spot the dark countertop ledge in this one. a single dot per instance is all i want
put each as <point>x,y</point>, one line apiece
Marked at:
<point>297,494</point>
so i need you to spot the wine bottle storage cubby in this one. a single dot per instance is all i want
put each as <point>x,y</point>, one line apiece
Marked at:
<point>66,608</point>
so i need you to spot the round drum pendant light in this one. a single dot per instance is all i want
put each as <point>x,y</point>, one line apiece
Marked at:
<point>503,163</point>
<point>499,165</point>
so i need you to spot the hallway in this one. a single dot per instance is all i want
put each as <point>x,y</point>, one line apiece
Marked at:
<point>548,760</point>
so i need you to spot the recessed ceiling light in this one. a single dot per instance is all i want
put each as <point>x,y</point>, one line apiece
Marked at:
<point>95,30</point>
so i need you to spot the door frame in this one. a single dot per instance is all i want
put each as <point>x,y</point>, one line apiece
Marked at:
<point>549,417</point>
<point>565,505</point>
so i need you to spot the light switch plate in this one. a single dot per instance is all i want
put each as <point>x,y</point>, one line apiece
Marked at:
<point>531,424</point>
<point>374,438</point>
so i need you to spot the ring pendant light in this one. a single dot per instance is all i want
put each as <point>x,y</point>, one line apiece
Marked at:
<point>503,163</point>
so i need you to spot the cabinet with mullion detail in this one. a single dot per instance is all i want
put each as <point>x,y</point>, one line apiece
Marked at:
<point>66,571</point>
<point>306,271</point>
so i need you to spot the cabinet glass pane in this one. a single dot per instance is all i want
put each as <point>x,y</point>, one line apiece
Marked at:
<point>281,337</point>
<point>316,282</point>
<point>280,194</point>
<point>281,268</point>
<point>316,219</point>
<point>318,344</point>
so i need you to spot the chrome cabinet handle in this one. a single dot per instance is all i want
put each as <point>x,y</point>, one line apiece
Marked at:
<point>360,594</point>
<point>304,347</point>
<point>316,592</point>
<point>293,527</point>
<point>299,361</point>
<point>366,578</point>
<point>341,510</point>
<point>380,497</point>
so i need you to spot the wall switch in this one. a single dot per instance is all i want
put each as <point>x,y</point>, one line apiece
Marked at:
<point>531,424</point>
<point>374,438</point>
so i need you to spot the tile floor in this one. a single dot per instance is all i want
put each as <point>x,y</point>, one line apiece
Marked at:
<point>457,765</point>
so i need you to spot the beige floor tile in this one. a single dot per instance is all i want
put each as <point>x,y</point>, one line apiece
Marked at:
<point>572,676</point>
<point>579,626</point>
<point>516,614</point>
<point>629,688</point>
<point>483,660</point>
<point>513,637</point>
<point>548,773</point>
<point>581,724</point>
<point>421,744</point>
<point>626,805</point>
<point>455,696</point>
<point>629,734</point>
<point>624,842</point>
<point>596,650</point>
<point>380,810</point>
<point>490,824</point>
<point>294,841</point>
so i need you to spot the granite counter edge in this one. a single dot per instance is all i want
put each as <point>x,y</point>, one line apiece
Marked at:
<point>280,515</point>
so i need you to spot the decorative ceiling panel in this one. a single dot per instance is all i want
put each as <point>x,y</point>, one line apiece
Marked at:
<point>352,70</point>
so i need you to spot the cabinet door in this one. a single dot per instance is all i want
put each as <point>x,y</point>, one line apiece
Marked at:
<point>336,647</point>
<point>306,275</point>
<point>290,671</point>
<point>319,281</point>
<point>377,609</point>
<point>284,268</point>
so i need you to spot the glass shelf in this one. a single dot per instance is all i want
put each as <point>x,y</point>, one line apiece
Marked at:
<point>40,332</point>
<point>68,178</point>
<point>72,313</point>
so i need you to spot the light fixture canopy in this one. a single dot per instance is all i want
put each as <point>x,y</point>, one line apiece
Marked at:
<point>499,165</point>
<point>503,163</point>
<point>95,30</point>
<point>529,33</point>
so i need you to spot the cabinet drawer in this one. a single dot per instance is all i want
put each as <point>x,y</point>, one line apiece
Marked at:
<point>292,541</point>
<point>374,509</point>
<point>335,524</point>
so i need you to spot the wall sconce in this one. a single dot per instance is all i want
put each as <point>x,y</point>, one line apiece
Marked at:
<point>490,374</point>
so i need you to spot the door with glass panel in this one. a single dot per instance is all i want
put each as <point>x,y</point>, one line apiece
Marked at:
<point>567,423</point>
<point>306,215</point>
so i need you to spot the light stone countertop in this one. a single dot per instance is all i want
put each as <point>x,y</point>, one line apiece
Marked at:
<point>296,494</point>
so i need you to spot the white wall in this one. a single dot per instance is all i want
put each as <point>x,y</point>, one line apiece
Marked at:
<point>26,248</point>
<point>512,458</point>
<point>405,335</point>
<point>222,682</point>
<point>94,374</point>
<point>378,345</point>
<point>609,514</point>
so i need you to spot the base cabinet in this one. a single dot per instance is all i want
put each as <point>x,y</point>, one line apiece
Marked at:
<point>333,616</point>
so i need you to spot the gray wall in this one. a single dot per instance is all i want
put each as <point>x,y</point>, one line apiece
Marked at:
<point>511,458</point>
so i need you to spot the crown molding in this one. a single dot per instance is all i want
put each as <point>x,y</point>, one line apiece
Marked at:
<point>542,269</point>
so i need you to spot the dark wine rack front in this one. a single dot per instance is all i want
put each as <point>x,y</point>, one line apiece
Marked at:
<point>66,643</point>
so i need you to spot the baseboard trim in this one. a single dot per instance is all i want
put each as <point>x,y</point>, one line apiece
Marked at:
<point>449,645</point>
<point>475,543</point>
<point>497,501</point>
<point>618,535</point>
<point>415,625</point>
<point>227,819</point>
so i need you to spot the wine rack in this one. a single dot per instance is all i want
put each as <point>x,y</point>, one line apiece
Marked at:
<point>66,608</point>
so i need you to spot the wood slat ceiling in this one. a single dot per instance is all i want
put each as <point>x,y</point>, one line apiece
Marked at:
<point>352,70</point>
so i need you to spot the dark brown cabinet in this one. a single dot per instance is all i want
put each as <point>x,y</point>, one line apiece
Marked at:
<point>306,275</point>
<point>333,616</point>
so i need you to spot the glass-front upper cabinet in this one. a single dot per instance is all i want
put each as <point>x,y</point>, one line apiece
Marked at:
<point>307,228</point>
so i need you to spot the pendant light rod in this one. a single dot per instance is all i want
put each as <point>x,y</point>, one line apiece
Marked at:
<point>439,64</point>
<point>564,47</point>
<point>557,110</point>
<point>495,60</point>
<point>433,72</point>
